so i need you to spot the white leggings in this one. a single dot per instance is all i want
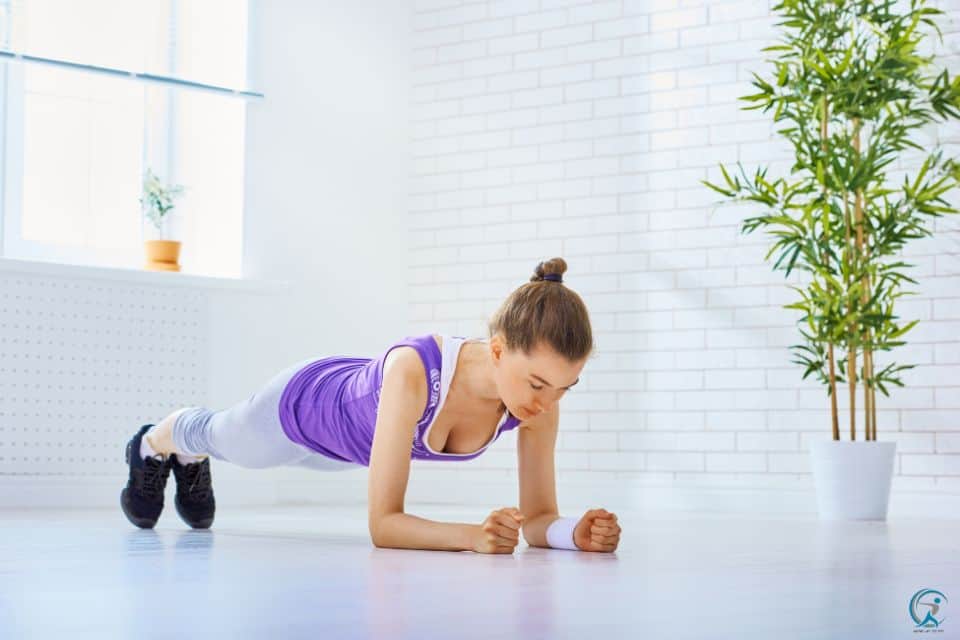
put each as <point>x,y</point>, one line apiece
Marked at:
<point>249,433</point>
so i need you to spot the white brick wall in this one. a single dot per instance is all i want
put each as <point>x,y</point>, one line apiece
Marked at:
<point>582,129</point>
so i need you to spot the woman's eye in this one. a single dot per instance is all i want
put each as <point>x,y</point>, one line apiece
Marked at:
<point>535,387</point>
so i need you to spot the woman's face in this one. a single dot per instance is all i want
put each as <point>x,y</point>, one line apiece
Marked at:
<point>531,384</point>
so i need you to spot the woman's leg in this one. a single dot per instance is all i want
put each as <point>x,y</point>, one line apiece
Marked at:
<point>160,436</point>
<point>320,462</point>
<point>248,434</point>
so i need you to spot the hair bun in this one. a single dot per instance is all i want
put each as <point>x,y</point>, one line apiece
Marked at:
<point>551,270</point>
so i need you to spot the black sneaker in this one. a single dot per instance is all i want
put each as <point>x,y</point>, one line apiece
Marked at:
<point>142,498</point>
<point>195,502</point>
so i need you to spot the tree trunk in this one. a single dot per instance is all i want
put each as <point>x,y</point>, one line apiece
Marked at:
<point>851,350</point>
<point>873,400</point>
<point>835,421</point>
<point>869,410</point>
<point>871,393</point>
<point>864,296</point>
<point>848,258</point>
<point>834,413</point>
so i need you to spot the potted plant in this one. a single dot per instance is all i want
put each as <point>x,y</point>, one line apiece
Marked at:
<point>849,71</point>
<point>156,204</point>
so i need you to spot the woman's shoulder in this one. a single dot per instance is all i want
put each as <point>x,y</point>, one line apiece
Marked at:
<point>411,357</point>
<point>403,359</point>
<point>404,368</point>
<point>421,340</point>
<point>408,361</point>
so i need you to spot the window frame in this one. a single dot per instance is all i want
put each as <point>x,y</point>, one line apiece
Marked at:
<point>14,244</point>
<point>159,133</point>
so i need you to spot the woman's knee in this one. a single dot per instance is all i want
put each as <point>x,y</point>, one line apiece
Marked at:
<point>251,441</point>
<point>249,433</point>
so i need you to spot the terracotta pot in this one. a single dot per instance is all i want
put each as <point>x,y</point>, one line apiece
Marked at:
<point>162,255</point>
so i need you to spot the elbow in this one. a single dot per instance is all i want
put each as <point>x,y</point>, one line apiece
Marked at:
<point>378,535</point>
<point>378,541</point>
<point>375,536</point>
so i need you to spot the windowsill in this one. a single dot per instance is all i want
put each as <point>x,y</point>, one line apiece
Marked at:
<point>140,276</point>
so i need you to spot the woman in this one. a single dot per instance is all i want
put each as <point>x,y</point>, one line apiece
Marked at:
<point>427,398</point>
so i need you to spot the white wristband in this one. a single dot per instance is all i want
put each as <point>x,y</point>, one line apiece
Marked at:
<point>560,533</point>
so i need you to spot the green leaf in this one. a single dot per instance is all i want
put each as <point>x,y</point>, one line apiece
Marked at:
<point>726,176</point>
<point>782,76</point>
<point>729,194</point>
<point>903,330</point>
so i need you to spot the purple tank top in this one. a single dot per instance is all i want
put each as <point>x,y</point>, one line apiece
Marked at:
<point>330,405</point>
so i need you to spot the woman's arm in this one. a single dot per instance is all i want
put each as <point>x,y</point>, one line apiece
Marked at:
<point>403,398</point>
<point>596,530</point>
<point>536,442</point>
<point>405,531</point>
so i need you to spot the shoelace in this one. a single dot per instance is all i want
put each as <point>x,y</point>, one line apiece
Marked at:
<point>153,478</point>
<point>197,476</point>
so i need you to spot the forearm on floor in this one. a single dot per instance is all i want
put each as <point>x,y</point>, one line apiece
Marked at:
<point>535,529</point>
<point>405,531</point>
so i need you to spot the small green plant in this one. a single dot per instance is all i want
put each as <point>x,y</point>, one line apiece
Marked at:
<point>157,199</point>
<point>848,67</point>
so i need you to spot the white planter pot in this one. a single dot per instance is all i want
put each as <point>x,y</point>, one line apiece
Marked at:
<point>852,478</point>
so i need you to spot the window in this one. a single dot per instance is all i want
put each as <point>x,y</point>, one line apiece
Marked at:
<point>96,92</point>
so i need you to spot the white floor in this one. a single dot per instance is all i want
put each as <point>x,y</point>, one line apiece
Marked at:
<point>311,572</point>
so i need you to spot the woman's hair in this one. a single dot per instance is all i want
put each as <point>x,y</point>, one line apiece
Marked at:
<point>545,311</point>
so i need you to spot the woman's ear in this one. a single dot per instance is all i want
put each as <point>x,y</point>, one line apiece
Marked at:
<point>496,347</point>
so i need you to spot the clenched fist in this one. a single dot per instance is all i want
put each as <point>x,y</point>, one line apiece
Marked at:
<point>597,530</point>
<point>500,532</point>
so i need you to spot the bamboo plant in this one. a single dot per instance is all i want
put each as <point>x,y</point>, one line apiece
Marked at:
<point>852,88</point>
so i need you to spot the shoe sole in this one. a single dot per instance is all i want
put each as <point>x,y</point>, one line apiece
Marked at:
<point>143,523</point>
<point>199,524</point>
